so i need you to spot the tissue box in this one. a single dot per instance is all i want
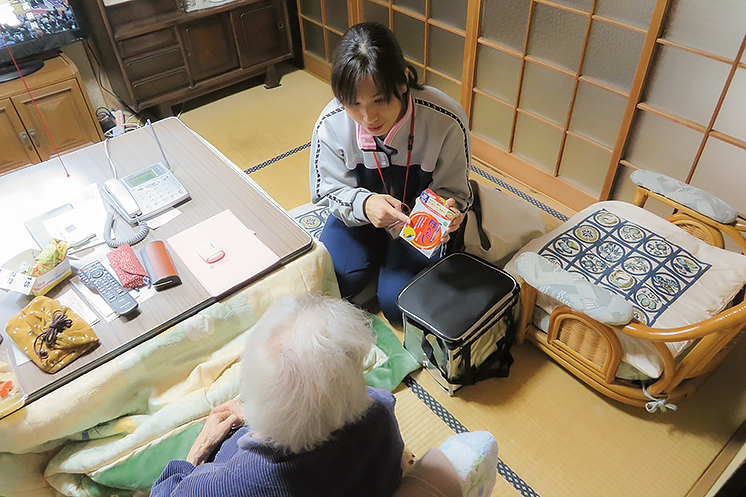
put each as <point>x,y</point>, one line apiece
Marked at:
<point>13,279</point>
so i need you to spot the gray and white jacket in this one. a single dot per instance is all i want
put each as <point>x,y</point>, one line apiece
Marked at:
<point>344,171</point>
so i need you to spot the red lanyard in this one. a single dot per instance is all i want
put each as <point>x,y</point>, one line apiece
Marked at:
<point>409,157</point>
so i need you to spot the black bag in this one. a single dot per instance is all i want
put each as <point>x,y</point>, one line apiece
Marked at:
<point>458,320</point>
<point>496,226</point>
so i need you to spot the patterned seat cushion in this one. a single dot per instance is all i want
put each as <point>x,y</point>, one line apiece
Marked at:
<point>671,278</point>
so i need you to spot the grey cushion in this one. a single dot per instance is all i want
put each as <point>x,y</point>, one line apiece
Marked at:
<point>574,291</point>
<point>699,200</point>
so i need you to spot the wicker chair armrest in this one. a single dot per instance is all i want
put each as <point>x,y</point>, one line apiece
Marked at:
<point>690,196</point>
<point>594,301</point>
<point>725,321</point>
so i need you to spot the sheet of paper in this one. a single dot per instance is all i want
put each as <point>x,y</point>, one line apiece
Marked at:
<point>85,210</point>
<point>71,300</point>
<point>162,219</point>
<point>245,255</point>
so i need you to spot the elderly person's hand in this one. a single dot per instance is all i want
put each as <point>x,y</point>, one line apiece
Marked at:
<point>384,211</point>
<point>219,422</point>
<point>456,223</point>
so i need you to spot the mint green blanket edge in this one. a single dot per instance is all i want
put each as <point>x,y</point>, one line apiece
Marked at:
<point>140,470</point>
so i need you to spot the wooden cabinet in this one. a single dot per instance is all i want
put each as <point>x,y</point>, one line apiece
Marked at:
<point>65,112</point>
<point>157,54</point>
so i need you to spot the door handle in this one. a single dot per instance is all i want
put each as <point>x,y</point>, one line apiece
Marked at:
<point>24,137</point>
<point>32,134</point>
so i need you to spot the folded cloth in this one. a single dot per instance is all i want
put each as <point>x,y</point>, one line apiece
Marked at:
<point>50,334</point>
<point>128,268</point>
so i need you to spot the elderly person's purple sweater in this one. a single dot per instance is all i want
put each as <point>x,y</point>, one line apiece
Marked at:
<point>362,458</point>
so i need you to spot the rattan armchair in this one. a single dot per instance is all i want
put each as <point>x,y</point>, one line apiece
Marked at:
<point>592,351</point>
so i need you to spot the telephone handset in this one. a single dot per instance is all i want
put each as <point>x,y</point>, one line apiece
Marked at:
<point>121,199</point>
<point>145,193</point>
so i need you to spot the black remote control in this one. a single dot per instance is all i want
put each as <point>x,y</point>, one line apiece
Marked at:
<point>97,277</point>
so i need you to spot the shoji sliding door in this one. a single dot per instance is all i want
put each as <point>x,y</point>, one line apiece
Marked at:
<point>570,96</point>
<point>690,120</point>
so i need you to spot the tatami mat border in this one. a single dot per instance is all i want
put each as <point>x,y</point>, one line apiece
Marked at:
<point>454,424</point>
<point>484,174</point>
<point>528,198</point>
<point>278,158</point>
<point>508,474</point>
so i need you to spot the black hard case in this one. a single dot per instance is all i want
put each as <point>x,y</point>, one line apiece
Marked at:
<point>458,320</point>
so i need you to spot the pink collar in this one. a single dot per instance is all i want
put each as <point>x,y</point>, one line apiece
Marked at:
<point>366,141</point>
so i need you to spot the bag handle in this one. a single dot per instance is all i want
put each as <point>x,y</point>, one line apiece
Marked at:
<point>476,206</point>
<point>458,244</point>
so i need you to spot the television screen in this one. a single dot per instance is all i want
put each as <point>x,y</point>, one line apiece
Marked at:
<point>32,27</point>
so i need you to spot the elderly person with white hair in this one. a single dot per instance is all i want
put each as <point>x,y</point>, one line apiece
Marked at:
<point>312,427</point>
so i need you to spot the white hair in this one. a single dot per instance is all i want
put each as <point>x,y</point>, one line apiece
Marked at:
<point>302,370</point>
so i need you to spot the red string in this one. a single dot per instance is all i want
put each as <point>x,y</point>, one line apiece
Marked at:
<point>409,158</point>
<point>43,123</point>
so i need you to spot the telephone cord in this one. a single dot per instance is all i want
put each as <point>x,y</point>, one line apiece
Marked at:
<point>134,239</point>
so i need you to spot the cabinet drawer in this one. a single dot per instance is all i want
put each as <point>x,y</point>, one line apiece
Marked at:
<point>160,85</point>
<point>157,63</point>
<point>147,42</point>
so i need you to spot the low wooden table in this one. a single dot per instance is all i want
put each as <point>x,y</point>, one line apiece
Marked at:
<point>215,184</point>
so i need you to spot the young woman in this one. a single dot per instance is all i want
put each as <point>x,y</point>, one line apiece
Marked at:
<point>382,141</point>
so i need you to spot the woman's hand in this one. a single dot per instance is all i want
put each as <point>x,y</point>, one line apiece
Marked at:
<point>219,422</point>
<point>384,211</point>
<point>456,223</point>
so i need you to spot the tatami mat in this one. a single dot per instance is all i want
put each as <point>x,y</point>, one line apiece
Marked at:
<point>557,435</point>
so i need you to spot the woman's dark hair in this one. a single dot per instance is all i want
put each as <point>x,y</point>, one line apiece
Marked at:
<point>370,49</point>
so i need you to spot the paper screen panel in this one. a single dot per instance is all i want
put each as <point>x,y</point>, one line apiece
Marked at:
<point>597,114</point>
<point>556,36</point>
<point>492,120</point>
<point>634,12</point>
<point>446,52</point>
<point>662,145</point>
<point>537,142</point>
<point>732,116</point>
<point>613,54</point>
<point>546,92</point>
<point>686,84</point>
<point>715,27</point>
<point>334,39</point>
<point>374,12</point>
<point>722,171</point>
<point>447,86</point>
<point>314,35</point>
<point>584,5</point>
<point>411,36</point>
<point>336,14</point>
<point>584,164</point>
<point>450,12</point>
<point>498,73</point>
<point>504,22</point>
<point>417,6</point>
<point>311,8</point>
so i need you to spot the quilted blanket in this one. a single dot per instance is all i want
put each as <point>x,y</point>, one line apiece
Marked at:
<point>111,431</point>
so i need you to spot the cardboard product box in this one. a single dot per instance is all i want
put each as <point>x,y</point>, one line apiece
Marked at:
<point>430,220</point>
<point>13,279</point>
